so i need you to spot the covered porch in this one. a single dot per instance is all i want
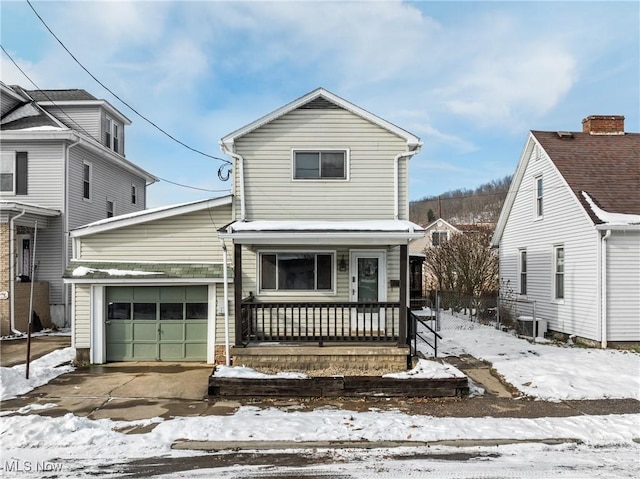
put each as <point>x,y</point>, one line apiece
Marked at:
<point>318,295</point>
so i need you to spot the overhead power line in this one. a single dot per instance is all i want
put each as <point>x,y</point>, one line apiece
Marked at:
<point>118,97</point>
<point>80,128</point>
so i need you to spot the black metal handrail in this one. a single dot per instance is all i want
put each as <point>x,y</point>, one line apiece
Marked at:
<point>414,334</point>
<point>320,321</point>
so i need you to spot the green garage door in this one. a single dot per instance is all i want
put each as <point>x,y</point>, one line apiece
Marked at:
<point>167,323</point>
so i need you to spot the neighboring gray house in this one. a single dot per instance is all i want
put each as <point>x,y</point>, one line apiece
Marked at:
<point>569,232</point>
<point>62,165</point>
<point>317,230</point>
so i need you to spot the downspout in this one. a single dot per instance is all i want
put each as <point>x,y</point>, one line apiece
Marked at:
<point>225,279</point>
<point>396,181</point>
<point>12,270</point>
<point>65,290</point>
<point>603,288</point>
<point>240,161</point>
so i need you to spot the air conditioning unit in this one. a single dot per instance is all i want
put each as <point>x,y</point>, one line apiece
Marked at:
<point>524,326</point>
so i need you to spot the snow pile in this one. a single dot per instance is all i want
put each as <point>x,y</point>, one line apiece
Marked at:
<point>544,371</point>
<point>246,373</point>
<point>13,382</point>
<point>428,370</point>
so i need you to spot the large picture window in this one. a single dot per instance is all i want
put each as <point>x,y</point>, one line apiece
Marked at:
<point>309,165</point>
<point>296,271</point>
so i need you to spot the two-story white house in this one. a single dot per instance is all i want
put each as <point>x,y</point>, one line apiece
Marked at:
<point>62,165</point>
<point>569,231</point>
<point>314,238</point>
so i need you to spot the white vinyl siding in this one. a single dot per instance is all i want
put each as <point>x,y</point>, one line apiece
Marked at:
<point>107,181</point>
<point>191,237</point>
<point>272,194</point>
<point>84,118</point>
<point>251,271</point>
<point>82,320</point>
<point>623,285</point>
<point>565,222</point>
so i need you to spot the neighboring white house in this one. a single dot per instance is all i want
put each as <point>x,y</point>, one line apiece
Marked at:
<point>569,232</point>
<point>316,229</point>
<point>62,165</point>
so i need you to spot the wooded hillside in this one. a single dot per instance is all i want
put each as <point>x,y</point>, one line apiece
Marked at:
<point>481,205</point>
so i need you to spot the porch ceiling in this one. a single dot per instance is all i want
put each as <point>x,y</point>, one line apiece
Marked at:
<point>377,232</point>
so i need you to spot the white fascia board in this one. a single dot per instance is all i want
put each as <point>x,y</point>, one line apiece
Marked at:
<point>103,103</point>
<point>614,227</point>
<point>329,238</point>
<point>413,141</point>
<point>18,207</point>
<point>145,216</point>
<point>523,162</point>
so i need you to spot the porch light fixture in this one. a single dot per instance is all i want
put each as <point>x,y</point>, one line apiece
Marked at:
<point>342,264</point>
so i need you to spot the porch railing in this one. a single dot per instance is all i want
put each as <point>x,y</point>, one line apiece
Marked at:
<point>320,322</point>
<point>422,328</point>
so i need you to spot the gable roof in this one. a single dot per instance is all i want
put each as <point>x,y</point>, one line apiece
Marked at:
<point>60,95</point>
<point>321,98</point>
<point>145,216</point>
<point>606,167</point>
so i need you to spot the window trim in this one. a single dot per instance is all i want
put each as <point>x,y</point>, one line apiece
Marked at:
<point>112,131</point>
<point>522,272</point>
<point>113,208</point>
<point>134,194</point>
<point>296,292</point>
<point>538,205</point>
<point>439,232</point>
<point>347,158</point>
<point>555,274</point>
<point>89,182</point>
<point>11,157</point>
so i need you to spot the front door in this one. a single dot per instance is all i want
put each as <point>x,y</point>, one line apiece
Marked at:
<point>368,288</point>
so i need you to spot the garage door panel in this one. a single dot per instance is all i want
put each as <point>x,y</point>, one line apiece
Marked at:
<point>145,331</point>
<point>119,351</point>
<point>173,331</point>
<point>193,351</point>
<point>144,351</point>
<point>196,331</point>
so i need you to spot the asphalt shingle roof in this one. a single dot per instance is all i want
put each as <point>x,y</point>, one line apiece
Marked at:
<point>607,167</point>
<point>60,95</point>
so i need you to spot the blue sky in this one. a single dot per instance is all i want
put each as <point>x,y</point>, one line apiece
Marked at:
<point>469,78</point>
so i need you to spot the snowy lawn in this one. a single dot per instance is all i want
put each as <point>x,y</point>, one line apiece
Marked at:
<point>544,370</point>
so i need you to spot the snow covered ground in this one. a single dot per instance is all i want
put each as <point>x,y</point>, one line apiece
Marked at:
<point>606,446</point>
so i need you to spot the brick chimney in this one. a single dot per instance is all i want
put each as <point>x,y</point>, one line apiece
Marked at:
<point>603,125</point>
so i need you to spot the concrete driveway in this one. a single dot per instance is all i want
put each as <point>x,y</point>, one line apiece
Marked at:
<point>14,351</point>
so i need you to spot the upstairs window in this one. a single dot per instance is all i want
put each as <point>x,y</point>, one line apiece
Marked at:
<point>111,134</point>
<point>299,271</point>
<point>134,195</point>
<point>313,165</point>
<point>539,196</point>
<point>439,237</point>
<point>558,277</point>
<point>110,209</point>
<point>523,272</point>
<point>86,181</point>
<point>13,172</point>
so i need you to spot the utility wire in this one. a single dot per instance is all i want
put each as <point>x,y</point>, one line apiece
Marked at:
<point>81,129</point>
<point>120,99</point>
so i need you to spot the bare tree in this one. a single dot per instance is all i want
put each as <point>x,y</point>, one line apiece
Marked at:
<point>465,263</point>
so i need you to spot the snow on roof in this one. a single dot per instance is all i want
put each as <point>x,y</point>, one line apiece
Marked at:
<point>83,271</point>
<point>611,218</point>
<point>365,225</point>
<point>43,128</point>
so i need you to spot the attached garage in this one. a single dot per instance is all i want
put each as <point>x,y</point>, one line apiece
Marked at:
<point>147,323</point>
